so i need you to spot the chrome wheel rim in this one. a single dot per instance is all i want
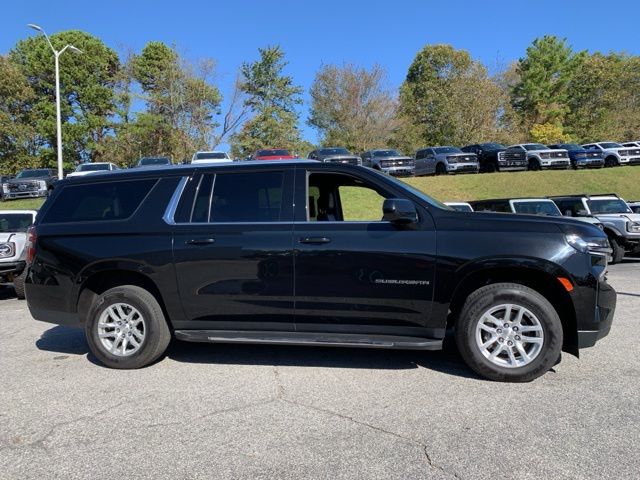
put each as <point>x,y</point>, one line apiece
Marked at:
<point>509,335</point>
<point>121,329</point>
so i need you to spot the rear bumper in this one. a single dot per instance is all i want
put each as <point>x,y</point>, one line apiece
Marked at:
<point>603,317</point>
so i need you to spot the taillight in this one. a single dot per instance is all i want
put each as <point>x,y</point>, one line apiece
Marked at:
<point>30,247</point>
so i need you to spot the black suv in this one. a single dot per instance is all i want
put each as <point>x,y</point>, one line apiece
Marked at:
<point>309,253</point>
<point>495,157</point>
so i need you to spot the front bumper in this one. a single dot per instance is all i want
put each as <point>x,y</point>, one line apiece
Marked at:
<point>463,167</point>
<point>555,164</point>
<point>512,166</point>
<point>27,194</point>
<point>399,171</point>
<point>589,163</point>
<point>10,269</point>
<point>630,161</point>
<point>602,319</point>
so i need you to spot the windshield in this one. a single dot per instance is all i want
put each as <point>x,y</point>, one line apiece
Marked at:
<point>92,167</point>
<point>447,150</point>
<point>273,153</point>
<point>610,145</point>
<point>33,173</point>
<point>15,222</point>
<point>538,207</point>
<point>535,146</point>
<point>154,161</point>
<point>211,156</point>
<point>492,146</point>
<point>613,205</point>
<point>334,151</point>
<point>386,153</point>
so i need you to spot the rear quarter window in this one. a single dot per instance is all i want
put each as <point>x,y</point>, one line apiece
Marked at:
<point>96,202</point>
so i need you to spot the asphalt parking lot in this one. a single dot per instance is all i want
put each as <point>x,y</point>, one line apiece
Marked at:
<point>225,411</point>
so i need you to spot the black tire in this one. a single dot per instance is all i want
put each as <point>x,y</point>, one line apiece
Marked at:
<point>497,294</point>
<point>491,167</point>
<point>534,165</point>
<point>156,331</point>
<point>618,251</point>
<point>440,169</point>
<point>610,161</point>
<point>18,284</point>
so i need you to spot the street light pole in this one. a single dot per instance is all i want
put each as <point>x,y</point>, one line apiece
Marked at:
<point>56,55</point>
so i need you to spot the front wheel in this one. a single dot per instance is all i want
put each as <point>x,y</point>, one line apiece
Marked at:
<point>618,252</point>
<point>534,165</point>
<point>508,332</point>
<point>441,169</point>
<point>126,328</point>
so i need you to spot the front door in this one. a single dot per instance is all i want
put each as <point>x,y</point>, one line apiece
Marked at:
<point>354,272</point>
<point>233,250</point>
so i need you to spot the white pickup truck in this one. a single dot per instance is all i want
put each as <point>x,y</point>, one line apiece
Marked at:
<point>13,238</point>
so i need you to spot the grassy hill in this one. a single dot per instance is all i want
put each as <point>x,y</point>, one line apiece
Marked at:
<point>624,181</point>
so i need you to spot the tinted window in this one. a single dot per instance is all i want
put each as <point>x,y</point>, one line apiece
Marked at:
<point>604,206</point>
<point>447,150</point>
<point>15,222</point>
<point>211,156</point>
<point>200,212</point>
<point>537,208</point>
<point>571,207</point>
<point>247,197</point>
<point>92,167</point>
<point>98,201</point>
<point>273,153</point>
<point>334,151</point>
<point>386,153</point>
<point>33,173</point>
<point>610,145</point>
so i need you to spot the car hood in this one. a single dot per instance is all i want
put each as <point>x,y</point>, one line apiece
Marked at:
<point>395,157</point>
<point>11,236</point>
<point>26,180</point>
<point>634,217</point>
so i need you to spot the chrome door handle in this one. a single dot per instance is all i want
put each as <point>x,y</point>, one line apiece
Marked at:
<point>200,241</point>
<point>315,240</point>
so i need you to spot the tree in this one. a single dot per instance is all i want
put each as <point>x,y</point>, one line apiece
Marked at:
<point>447,98</point>
<point>18,140</point>
<point>181,102</point>
<point>86,90</point>
<point>604,98</point>
<point>351,107</point>
<point>272,99</point>
<point>545,73</point>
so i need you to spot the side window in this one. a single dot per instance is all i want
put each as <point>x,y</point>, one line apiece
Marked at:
<point>337,197</point>
<point>97,202</point>
<point>419,154</point>
<point>247,197</point>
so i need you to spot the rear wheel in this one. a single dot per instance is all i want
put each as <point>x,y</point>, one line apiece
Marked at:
<point>508,332</point>
<point>618,251</point>
<point>126,328</point>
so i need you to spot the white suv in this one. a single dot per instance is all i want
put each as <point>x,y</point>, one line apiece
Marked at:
<point>541,157</point>
<point>615,154</point>
<point>13,238</point>
<point>210,157</point>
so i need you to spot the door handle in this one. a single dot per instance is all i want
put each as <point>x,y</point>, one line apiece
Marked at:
<point>200,241</point>
<point>315,240</point>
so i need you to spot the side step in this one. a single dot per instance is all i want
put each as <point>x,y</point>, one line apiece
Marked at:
<point>310,338</point>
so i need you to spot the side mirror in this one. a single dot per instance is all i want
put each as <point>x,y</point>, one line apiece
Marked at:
<point>399,211</point>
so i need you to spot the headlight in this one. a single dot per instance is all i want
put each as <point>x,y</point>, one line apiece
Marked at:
<point>5,187</point>
<point>633,227</point>
<point>592,245</point>
<point>42,184</point>
<point>7,249</point>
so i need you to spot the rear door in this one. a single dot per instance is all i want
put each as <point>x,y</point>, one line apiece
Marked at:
<point>233,250</point>
<point>354,272</point>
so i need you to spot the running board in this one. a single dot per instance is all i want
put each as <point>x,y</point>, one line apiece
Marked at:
<point>311,338</point>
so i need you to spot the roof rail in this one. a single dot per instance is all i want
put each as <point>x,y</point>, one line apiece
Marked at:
<point>585,195</point>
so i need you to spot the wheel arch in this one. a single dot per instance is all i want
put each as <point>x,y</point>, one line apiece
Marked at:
<point>543,280</point>
<point>102,279</point>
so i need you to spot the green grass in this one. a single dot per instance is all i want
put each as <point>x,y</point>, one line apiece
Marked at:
<point>22,204</point>
<point>625,181</point>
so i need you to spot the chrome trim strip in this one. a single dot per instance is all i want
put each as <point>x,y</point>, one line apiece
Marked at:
<point>169,214</point>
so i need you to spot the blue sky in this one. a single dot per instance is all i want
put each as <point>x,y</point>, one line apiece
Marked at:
<point>328,31</point>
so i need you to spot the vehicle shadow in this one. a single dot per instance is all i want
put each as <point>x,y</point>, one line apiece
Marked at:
<point>69,340</point>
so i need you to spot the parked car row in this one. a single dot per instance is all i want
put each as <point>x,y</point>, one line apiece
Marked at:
<point>620,220</point>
